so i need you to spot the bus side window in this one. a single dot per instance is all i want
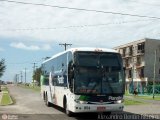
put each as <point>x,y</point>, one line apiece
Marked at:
<point>70,70</point>
<point>46,79</point>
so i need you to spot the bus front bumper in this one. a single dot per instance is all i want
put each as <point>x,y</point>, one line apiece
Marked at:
<point>80,108</point>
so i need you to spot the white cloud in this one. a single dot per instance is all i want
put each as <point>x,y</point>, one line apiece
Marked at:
<point>17,16</point>
<point>21,45</point>
<point>46,47</point>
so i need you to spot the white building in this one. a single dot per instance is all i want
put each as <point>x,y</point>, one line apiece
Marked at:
<point>139,59</point>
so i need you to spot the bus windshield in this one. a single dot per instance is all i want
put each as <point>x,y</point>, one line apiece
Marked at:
<point>98,73</point>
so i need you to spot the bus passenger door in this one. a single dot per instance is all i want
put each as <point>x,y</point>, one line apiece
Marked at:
<point>52,88</point>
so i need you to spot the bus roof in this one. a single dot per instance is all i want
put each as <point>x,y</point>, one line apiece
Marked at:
<point>91,49</point>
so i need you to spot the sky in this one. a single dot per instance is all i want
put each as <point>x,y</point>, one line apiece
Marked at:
<point>30,32</point>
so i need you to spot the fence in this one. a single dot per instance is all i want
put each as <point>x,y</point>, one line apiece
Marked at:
<point>144,89</point>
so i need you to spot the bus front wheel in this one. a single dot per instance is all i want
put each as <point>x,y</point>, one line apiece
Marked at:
<point>69,113</point>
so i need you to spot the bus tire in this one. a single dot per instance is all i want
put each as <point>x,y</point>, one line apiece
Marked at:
<point>44,96</point>
<point>68,113</point>
<point>48,104</point>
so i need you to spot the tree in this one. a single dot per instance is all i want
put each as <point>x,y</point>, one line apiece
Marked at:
<point>2,67</point>
<point>37,75</point>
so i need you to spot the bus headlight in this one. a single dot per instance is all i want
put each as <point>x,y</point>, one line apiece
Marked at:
<point>81,102</point>
<point>119,101</point>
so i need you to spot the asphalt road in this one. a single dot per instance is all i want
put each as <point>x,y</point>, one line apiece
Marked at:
<point>27,102</point>
<point>30,106</point>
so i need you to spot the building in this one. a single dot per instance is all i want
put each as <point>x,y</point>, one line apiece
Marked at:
<point>139,59</point>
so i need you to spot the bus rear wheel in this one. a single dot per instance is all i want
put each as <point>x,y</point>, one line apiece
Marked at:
<point>48,104</point>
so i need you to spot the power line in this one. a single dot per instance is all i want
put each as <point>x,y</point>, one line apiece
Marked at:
<point>82,9</point>
<point>75,26</point>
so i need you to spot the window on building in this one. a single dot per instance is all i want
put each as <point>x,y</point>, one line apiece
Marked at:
<point>138,60</point>
<point>127,62</point>
<point>130,50</point>
<point>130,73</point>
<point>140,47</point>
<point>142,73</point>
<point>124,52</point>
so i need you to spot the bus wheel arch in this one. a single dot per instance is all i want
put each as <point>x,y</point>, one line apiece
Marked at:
<point>64,101</point>
<point>65,106</point>
<point>44,95</point>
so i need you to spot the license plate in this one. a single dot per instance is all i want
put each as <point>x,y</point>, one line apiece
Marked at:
<point>101,108</point>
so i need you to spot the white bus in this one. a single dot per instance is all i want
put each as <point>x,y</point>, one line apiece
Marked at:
<point>84,80</point>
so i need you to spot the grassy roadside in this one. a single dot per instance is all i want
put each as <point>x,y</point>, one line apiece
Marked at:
<point>34,88</point>
<point>6,98</point>
<point>148,97</point>
<point>132,102</point>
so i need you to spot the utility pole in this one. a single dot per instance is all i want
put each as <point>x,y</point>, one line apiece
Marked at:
<point>18,78</point>
<point>34,66</point>
<point>132,73</point>
<point>154,73</point>
<point>65,45</point>
<point>25,74</point>
<point>21,76</point>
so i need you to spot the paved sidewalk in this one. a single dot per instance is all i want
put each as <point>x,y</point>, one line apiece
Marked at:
<point>143,109</point>
<point>150,106</point>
